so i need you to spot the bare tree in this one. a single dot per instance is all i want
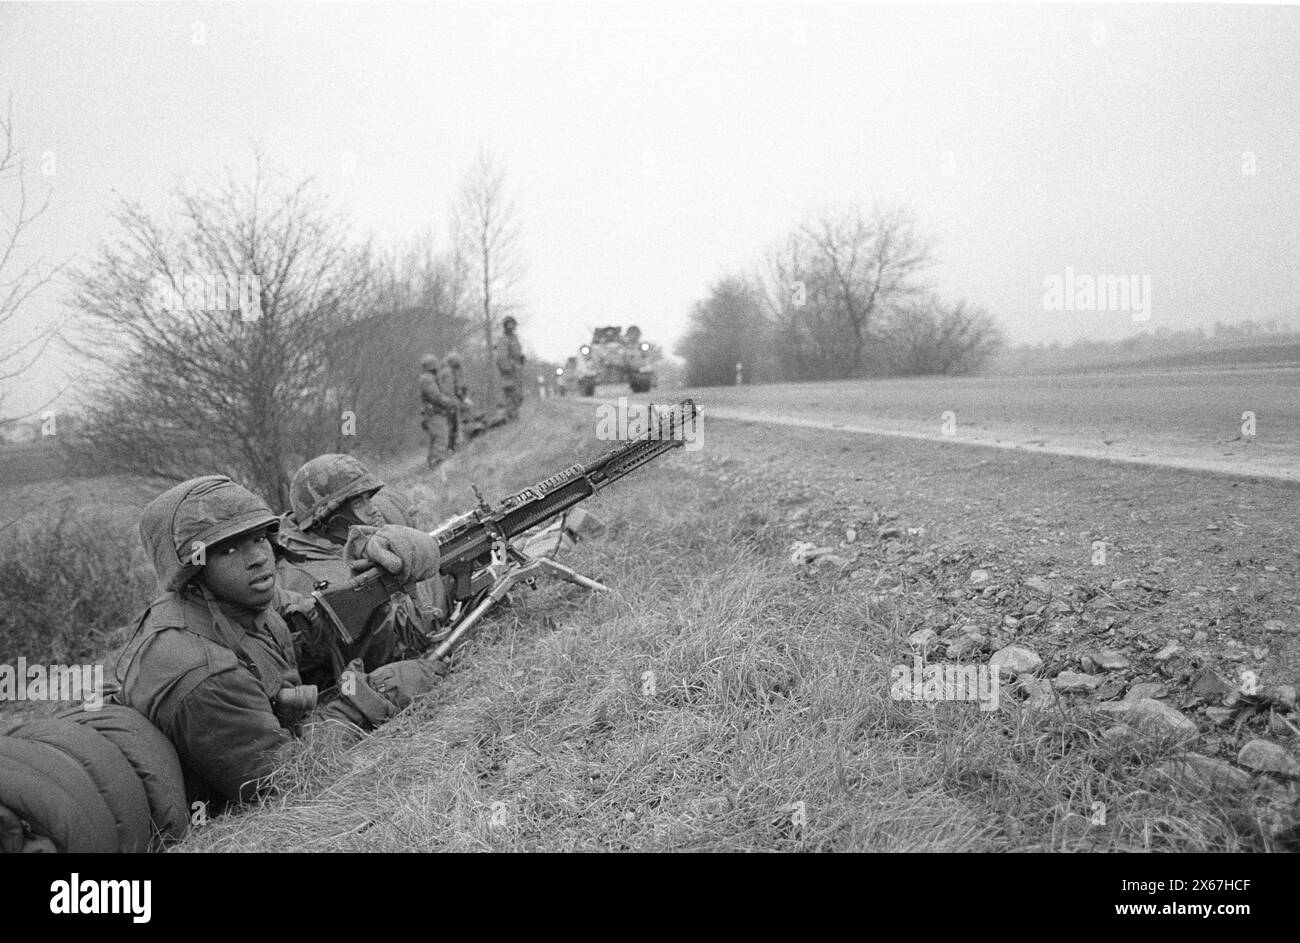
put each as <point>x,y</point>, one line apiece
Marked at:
<point>832,283</point>
<point>783,291</point>
<point>421,304</point>
<point>418,275</point>
<point>929,337</point>
<point>217,327</point>
<point>18,210</point>
<point>866,268</point>
<point>486,228</point>
<point>726,328</point>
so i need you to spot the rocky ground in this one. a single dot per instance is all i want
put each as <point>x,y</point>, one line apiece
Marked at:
<point>1165,597</point>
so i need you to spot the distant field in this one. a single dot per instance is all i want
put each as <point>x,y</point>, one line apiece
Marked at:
<point>1272,355</point>
<point>34,480</point>
<point>32,461</point>
<point>1242,354</point>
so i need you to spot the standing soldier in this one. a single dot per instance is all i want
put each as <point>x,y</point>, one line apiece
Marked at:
<point>451,366</point>
<point>439,408</point>
<point>510,361</point>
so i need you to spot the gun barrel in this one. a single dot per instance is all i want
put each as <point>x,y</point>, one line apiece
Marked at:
<point>557,493</point>
<point>465,542</point>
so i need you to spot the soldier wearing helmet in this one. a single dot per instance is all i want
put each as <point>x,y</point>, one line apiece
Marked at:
<point>212,662</point>
<point>326,485</point>
<point>450,379</point>
<point>439,407</point>
<point>334,502</point>
<point>510,362</point>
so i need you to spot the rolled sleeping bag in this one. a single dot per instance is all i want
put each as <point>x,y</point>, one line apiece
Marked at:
<point>108,769</point>
<point>153,758</point>
<point>15,839</point>
<point>55,794</point>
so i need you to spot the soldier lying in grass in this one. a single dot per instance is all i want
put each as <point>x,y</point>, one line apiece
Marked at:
<point>212,662</point>
<point>335,496</point>
<point>334,506</point>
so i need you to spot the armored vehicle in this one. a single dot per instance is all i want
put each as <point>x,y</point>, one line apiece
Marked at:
<point>616,356</point>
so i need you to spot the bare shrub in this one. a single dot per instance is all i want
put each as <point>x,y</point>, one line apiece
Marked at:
<point>69,579</point>
<point>934,338</point>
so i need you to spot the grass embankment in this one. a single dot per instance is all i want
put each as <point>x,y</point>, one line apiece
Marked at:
<point>73,575</point>
<point>768,725</point>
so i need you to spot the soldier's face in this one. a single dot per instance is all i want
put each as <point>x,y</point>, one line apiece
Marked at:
<point>242,570</point>
<point>363,509</point>
<point>356,510</point>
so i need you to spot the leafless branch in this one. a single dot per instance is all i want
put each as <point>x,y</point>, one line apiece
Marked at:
<point>17,214</point>
<point>486,231</point>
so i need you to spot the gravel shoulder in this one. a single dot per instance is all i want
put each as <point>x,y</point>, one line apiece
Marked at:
<point>1194,603</point>
<point>1204,561</point>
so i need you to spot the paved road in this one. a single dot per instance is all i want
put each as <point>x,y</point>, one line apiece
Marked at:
<point>1186,419</point>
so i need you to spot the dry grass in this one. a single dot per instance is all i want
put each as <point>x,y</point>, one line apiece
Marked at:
<point>70,579</point>
<point>770,690</point>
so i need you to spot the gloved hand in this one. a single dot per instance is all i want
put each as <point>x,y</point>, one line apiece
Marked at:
<point>293,703</point>
<point>358,701</point>
<point>409,554</point>
<point>290,603</point>
<point>403,681</point>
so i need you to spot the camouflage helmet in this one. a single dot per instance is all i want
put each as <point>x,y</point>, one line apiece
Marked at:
<point>509,321</point>
<point>322,485</point>
<point>429,362</point>
<point>452,360</point>
<point>179,526</point>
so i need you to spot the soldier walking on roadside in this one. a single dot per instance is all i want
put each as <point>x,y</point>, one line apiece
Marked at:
<point>451,380</point>
<point>510,361</point>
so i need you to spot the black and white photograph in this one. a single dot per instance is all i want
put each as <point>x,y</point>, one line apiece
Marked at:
<point>630,427</point>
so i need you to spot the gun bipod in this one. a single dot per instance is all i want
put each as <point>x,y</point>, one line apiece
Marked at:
<point>520,568</point>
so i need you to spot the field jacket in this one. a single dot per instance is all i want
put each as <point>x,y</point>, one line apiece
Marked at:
<point>207,674</point>
<point>510,355</point>
<point>435,399</point>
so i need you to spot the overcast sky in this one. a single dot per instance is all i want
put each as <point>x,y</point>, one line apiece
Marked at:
<point>655,147</point>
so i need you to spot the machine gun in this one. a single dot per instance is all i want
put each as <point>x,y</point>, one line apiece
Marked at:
<point>475,549</point>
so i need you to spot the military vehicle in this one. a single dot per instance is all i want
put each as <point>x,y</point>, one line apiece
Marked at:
<point>616,356</point>
<point>566,376</point>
